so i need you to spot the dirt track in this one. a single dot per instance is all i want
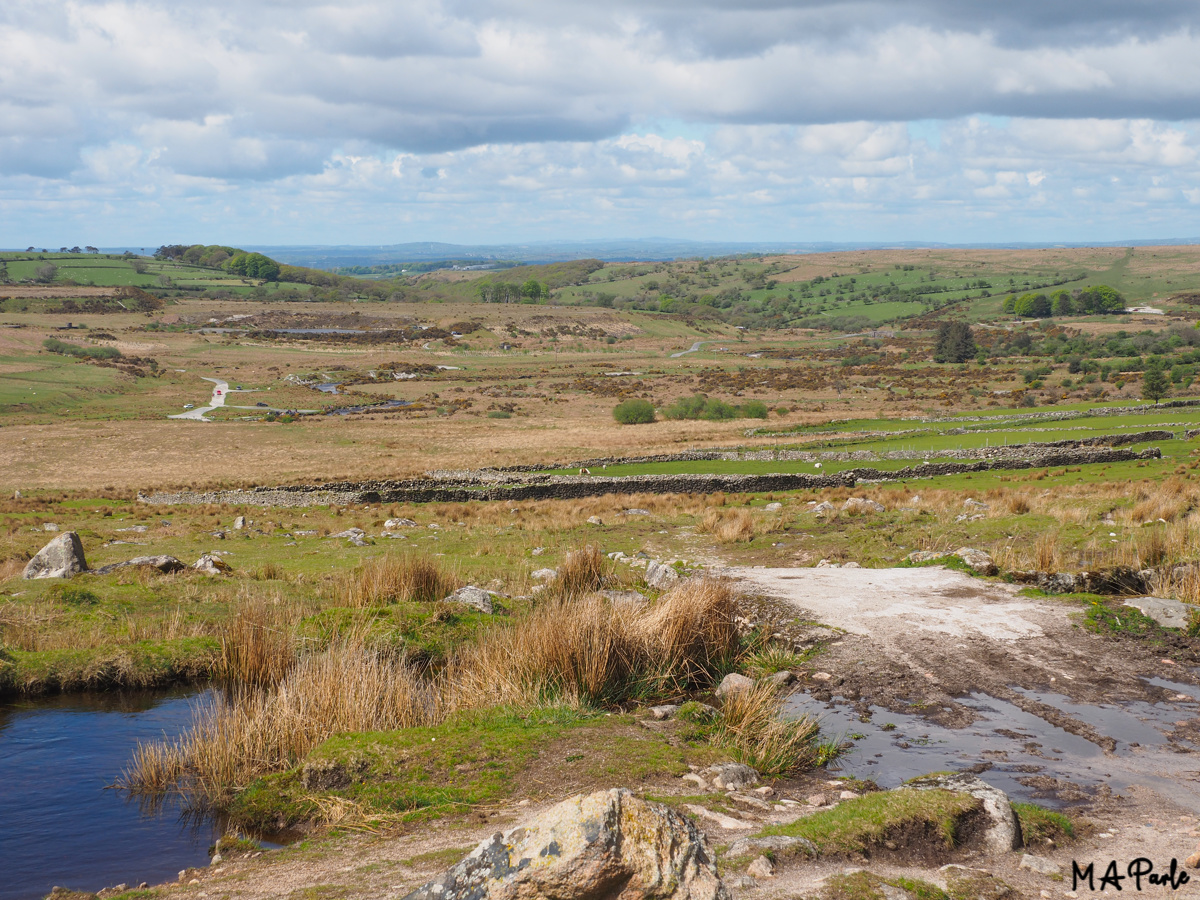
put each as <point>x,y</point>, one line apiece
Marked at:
<point>1011,677</point>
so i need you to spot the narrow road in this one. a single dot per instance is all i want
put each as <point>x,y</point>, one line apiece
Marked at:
<point>696,346</point>
<point>220,389</point>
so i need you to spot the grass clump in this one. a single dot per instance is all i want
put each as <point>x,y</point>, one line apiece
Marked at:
<point>858,825</point>
<point>396,578</point>
<point>1040,824</point>
<point>581,572</point>
<point>728,526</point>
<point>753,729</point>
<point>772,658</point>
<point>73,595</point>
<point>258,642</point>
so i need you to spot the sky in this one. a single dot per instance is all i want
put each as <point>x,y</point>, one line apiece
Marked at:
<point>494,121</point>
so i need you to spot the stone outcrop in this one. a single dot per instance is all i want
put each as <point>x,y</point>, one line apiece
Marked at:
<point>977,560</point>
<point>603,846</point>
<point>164,564</point>
<point>474,597</point>
<point>1003,833</point>
<point>61,558</point>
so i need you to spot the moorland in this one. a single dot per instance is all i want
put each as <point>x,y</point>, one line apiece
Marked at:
<point>441,720</point>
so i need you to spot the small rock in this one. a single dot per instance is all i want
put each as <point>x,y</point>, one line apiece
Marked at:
<point>719,819</point>
<point>1193,861</point>
<point>239,523</point>
<point>765,791</point>
<point>1166,612</point>
<point>164,564</point>
<point>595,520</point>
<point>1040,864</point>
<point>624,597</point>
<point>666,711</point>
<point>537,551</point>
<point>848,795</point>
<point>822,676</point>
<point>399,523</point>
<point>637,512</point>
<point>921,556</point>
<point>861,506</point>
<point>733,683</point>
<point>773,844</point>
<point>660,576</point>
<point>475,597</point>
<point>977,560</point>
<point>779,679</point>
<point>773,507</point>
<point>349,534</point>
<point>544,574</point>
<point>211,565</point>
<point>824,509</point>
<point>743,881</point>
<point>617,555</point>
<point>49,526</point>
<point>731,776</point>
<point>61,558</point>
<point>761,868</point>
<point>826,564</point>
<point>216,859</point>
<point>697,780</point>
<point>973,505</point>
<point>851,565</point>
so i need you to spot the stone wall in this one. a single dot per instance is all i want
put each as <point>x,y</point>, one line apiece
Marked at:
<point>571,487</point>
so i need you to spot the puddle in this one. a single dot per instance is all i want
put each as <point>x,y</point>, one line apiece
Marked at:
<point>1022,749</point>
<point>61,824</point>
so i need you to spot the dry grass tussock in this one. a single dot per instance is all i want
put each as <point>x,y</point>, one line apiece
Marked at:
<point>582,570</point>
<point>580,650</point>
<point>752,727</point>
<point>731,526</point>
<point>395,578</point>
<point>564,515</point>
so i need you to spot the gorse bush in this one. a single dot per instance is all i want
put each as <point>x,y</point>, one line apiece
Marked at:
<point>713,410</point>
<point>64,349</point>
<point>634,412</point>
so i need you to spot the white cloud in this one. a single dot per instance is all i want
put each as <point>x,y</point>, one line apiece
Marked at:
<point>469,115</point>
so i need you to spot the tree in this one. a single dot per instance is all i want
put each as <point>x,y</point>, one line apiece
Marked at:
<point>1101,300</point>
<point>1155,383</point>
<point>139,265</point>
<point>1034,306</point>
<point>532,290</point>
<point>634,412</point>
<point>46,273</point>
<point>1061,303</point>
<point>955,343</point>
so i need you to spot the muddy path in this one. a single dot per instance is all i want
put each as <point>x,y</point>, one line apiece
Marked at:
<point>931,669</point>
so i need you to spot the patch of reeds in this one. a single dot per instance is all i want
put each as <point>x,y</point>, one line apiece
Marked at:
<point>345,688</point>
<point>395,578</point>
<point>754,729</point>
<point>258,642</point>
<point>576,650</point>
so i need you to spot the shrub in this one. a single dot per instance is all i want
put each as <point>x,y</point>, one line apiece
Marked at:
<point>755,409</point>
<point>499,414</point>
<point>56,346</point>
<point>634,412</point>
